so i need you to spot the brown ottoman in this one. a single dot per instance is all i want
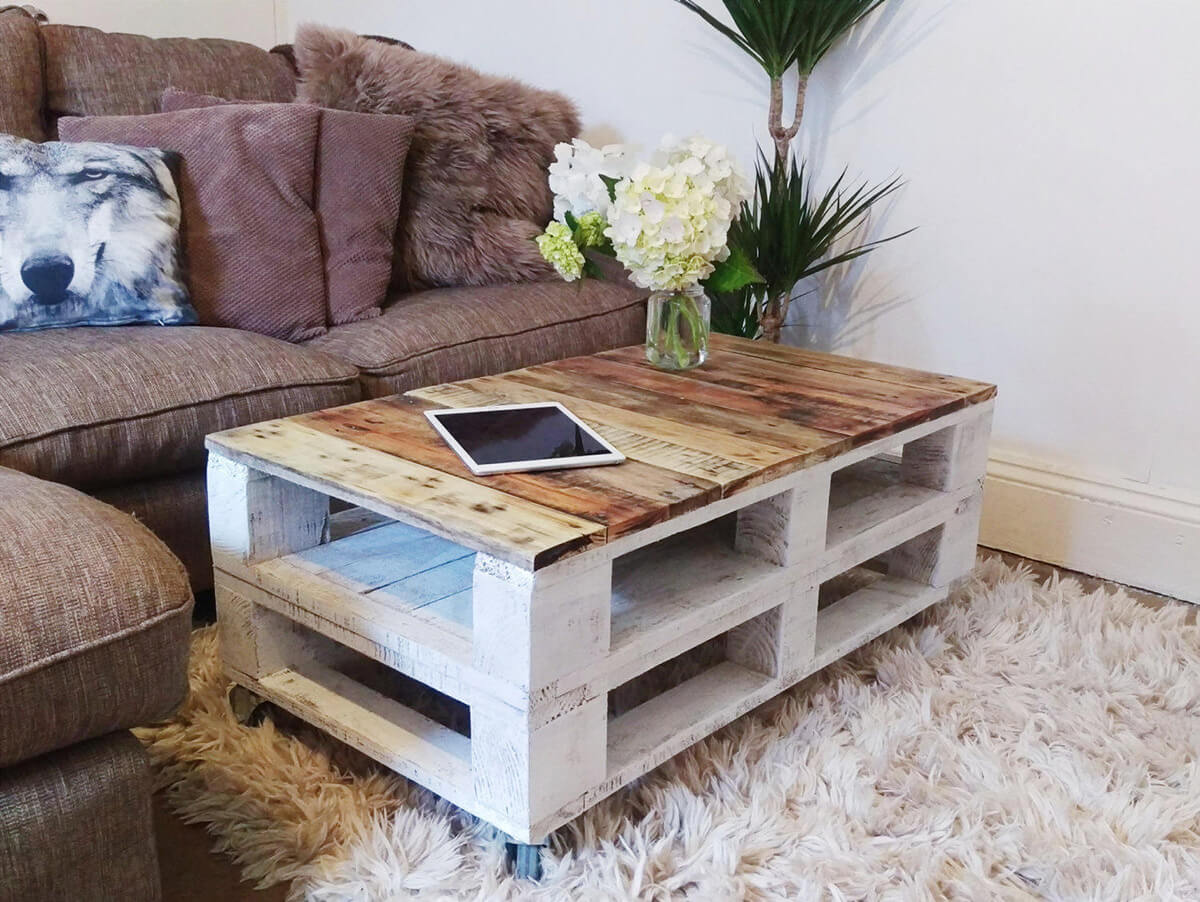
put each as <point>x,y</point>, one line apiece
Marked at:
<point>95,614</point>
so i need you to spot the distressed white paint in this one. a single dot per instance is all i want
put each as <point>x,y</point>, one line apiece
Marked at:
<point>255,517</point>
<point>541,649</point>
<point>530,629</point>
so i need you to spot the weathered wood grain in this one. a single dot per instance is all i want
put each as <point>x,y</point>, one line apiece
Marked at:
<point>949,458</point>
<point>623,499</point>
<point>719,445</point>
<point>531,630</point>
<point>713,388</point>
<point>870,612</point>
<point>396,736</point>
<point>973,391</point>
<point>785,380</point>
<point>703,454</point>
<point>474,515</point>
<point>254,516</point>
<point>842,412</point>
<point>807,442</point>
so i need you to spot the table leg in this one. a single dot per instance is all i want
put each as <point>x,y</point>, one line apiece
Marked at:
<point>946,460</point>
<point>530,630</point>
<point>787,529</point>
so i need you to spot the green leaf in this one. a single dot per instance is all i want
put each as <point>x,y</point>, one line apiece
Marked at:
<point>778,34</point>
<point>733,273</point>
<point>591,269</point>
<point>571,221</point>
<point>789,231</point>
<point>611,184</point>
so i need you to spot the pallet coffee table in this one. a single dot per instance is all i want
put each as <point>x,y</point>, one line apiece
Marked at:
<point>527,599</point>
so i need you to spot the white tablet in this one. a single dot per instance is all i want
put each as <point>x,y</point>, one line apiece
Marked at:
<point>517,437</point>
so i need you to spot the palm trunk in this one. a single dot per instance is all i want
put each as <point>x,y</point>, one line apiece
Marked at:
<point>782,134</point>
<point>776,310</point>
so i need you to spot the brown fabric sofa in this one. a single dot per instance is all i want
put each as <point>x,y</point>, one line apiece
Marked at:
<point>95,614</point>
<point>121,413</point>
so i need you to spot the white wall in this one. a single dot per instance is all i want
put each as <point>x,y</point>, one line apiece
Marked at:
<point>1049,153</point>
<point>1048,149</point>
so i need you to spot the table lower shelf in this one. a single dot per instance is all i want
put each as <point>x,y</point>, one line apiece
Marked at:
<point>638,740</point>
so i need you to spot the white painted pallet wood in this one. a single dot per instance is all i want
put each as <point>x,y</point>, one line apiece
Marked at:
<point>534,651</point>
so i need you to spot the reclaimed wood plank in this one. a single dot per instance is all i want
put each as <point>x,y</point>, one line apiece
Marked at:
<point>717,442</point>
<point>474,515</point>
<point>394,735</point>
<point>837,412</point>
<point>969,388</point>
<point>389,548</point>
<point>430,648</point>
<point>701,453</point>
<point>700,388</point>
<point>623,498</point>
<point>951,457</point>
<point>648,735</point>
<point>808,443</point>
<point>427,587</point>
<point>254,516</point>
<point>775,378</point>
<point>869,612</point>
<point>869,494</point>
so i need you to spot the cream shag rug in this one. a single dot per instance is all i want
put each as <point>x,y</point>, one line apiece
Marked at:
<point>1018,741</point>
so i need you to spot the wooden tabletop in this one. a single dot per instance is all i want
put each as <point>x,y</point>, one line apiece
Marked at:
<point>752,413</point>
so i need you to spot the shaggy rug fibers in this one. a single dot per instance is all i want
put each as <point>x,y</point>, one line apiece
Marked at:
<point>1018,741</point>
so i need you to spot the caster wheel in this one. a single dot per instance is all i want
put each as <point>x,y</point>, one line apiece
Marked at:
<point>249,709</point>
<point>524,860</point>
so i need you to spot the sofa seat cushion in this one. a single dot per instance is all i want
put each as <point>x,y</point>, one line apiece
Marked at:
<point>447,334</point>
<point>94,406</point>
<point>78,824</point>
<point>95,614</point>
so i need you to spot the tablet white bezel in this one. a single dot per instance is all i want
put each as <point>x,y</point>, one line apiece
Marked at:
<point>613,456</point>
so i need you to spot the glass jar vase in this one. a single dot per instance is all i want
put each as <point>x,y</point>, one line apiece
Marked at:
<point>677,328</point>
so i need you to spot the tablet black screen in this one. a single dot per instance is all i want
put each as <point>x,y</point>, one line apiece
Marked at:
<point>511,436</point>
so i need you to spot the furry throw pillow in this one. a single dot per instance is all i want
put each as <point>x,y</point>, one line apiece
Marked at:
<point>475,190</point>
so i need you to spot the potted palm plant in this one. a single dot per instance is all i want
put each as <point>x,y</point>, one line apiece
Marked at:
<point>788,230</point>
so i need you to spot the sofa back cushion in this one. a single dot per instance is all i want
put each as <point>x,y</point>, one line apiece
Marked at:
<point>359,177</point>
<point>250,234</point>
<point>476,192</point>
<point>89,72</point>
<point>21,85</point>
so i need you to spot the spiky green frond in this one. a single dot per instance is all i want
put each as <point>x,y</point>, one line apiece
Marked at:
<point>778,34</point>
<point>788,232</point>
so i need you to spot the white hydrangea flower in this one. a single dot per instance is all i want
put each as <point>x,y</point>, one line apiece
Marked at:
<point>575,177</point>
<point>669,224</point>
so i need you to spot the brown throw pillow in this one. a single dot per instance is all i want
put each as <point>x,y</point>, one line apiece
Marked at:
<point>360,173</point>
<point>476,191</point>
<point>250,235</point>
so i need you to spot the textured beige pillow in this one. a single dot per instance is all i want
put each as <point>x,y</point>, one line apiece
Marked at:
<point>475,190</point>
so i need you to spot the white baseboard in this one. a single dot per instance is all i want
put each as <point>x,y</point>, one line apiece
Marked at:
<point>1119,530</point>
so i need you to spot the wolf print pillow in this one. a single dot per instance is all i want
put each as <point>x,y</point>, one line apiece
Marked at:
<point>89,235</point>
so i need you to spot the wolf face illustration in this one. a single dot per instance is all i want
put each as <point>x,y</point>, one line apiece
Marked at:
<point>88,234</point>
